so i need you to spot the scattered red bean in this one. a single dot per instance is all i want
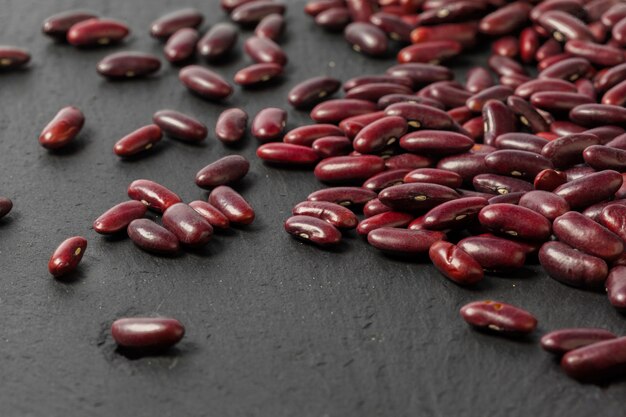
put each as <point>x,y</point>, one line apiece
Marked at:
<point>138,141</point>
<point>6,205</point>
<point>226,170</point>
<point>63,128</point>
<point>257,74</point>
<point>205,82</point>
<point>187,225</point>
<point>147,333</point>
<point>218,41</point>
<point>597,362</point>
<point>57,25</point>
<point>312,91</point>
<point>118,217</point>
<point>455,264</point>
<point>97,32</point>
<point>122,65</point>
<point>212,215</point>
<point>180,126</point>
<point>168,24</point>
<point>231,125</point>
<point>269,124</point>
<point>153,195</point>
<point>498,317</point>
<point>232,205</point>
<point>564,340</point>
<point>67,256</point>
<point>181,46</point>
<point>287,154</point>
<point>312,229</point>
<point>151,237</point>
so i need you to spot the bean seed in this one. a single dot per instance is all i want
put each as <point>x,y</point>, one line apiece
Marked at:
<point>225,170</point>
<point>287,154</point>
<point>329,146</point>
<point>366,38</point>
<point>57,25</point>
<point>147,333</point>
<point>434,176</point>
<point>515,221</point>
<point>335,214</point>
<point>312,229</point>
<point>545,203</point>
<point>152,194</point>
<point>269,124</point>
<point>63,128</point>
<point>590,189</point>
<point>348,168</point>
<point>403,241</point>
<point>232,205</point>
<point>386,219</point>
<point>218,42</point>
<point>204,82</point>
<point>253,12</point>
<point>271,27</point>
<point>455,264</point>
<point>416,196</point>
<point>231,125</point>
<point>564,340</point>
<point>189,227</point>
<point>264,50</point>
<point>6,205</point>
<point>616,287</point>
<point>97,32</point>
<point>168,24</point>
<point>312,91</point>
<point>597,362</point>
<point>67,256</point>
<point>344,196</point>
<point>138,141</point>
<point>454,214</point>
<point>385,179</point>
<point>257,74</point>
<point>334,111</point>
<point>494,254</point>
<point>180,126</point>
<point>498,317</point>
<point>211,214</point>
<point>572,267</point>
<point>181,46</point>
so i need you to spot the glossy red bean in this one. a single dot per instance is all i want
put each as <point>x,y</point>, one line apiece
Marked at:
<point>180,126</point>
<point>590,189</point>
<point>434,176</point>
<point>168,24</point>
<point>312,91</point>
<point>569,69</point>
<point>408,161</point>
<point>334,111</point>
<point>225,170</point>
<point>231,125</point>
<point>151,237</point>
<point>616,95</point>
<point>257,74</point>
<point>517,164</point>
<point>334,19</point>
<point>12,57</point>
<point>464,33</point>
<point>189,227</point>
<point>455,264</point>
<point>597,362</point>
<point>454,214</point>
<point>264,50</point>
<point>375,91</point>
<point>616,287</point>
<point>374,207</point>
<point>329,146</point>
<point>344,196</point>
<point>506,19</point>
<point>564,340</point>
<point>385,179</point>
<point>493,253</point>
<point>421,116</point>
<point>312,229</point>
<point>118,217</point>
<point>577,172</point>
<point>497,92</point>
<point>335,214</point>
<point>559,102</point>
<point>517,221</point>
<point>97,32</point>
<point>181,46</point>
<point>540,85</point>
<point>432,52</point>
<point>348,168</point>
<point>602,55</point>
<point>529,44</point>
<point>211,214</point>
<point>57,25</point>
<point>375,79</point>
<point>287,154</point>
<point>147,333</point>
<point>421,73</point>
<point>307,135</point>
<point>450,94</point>
<point>204,82</point>
<point>572,7</point>
<point>478,79</point>
<point>361,10</point>
<point>403,241</point>
<point>254,12</point>
<point>601,157</point>
<point>379,134</point>
<point>366,38</point>
<point>386,219</point>
<point>606,79</point>
<point>511,198</point>
<point>138,141</point>
<point>562,128</point>
<point>598,115</point>
<point>152,194</point>
<point>269,124</point>
<point>618,32</point>
<point>315,7</point>
<point>271,27</point>
<point>67,256</point>
<point>452,11</point>
<point>5,206</point>
<point>568,150</point>
<point>218,41</point>
<point>521,142</point>
<point>584,234</point>
<point>416,196</point>
<point>505,66</point>
<point>547,204</point>
<point>564,26</point>
<point>433,142</point>
<point>548,48</point>
<point>395,28</point>
<point>606,134</point>
<point>498,317</point>
<point>232,205</point>
<point>498,119</point>
<point>613,218</point>
<point>63,128</point>
<point>466,165</point>
<point>527,114</point>
<point>498,184</point>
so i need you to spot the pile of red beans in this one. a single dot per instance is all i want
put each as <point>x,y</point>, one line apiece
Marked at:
<point>481,175</point>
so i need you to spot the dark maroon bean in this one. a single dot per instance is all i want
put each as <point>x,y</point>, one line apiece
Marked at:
<point>138,141</point>
<point>118,218</point>
<point>375,79</point>
<point>619,142</point>
<point>147,333</point>
<point>225,170</point>
<point>254,12</point>
<point>506,19</point>
<point>436,142</point>
<point>465,33</point>
<point>416,196</point>
<point>352,125</point>
<point>454,214</point>
<point>529,43</point>
<point>67,256</point>
<point>498,119</point>
<point>616,95</point>
<point>189,227</point>
<point>563,128</point>
<point>264,50</point>
<point>63,128</point>
<point>152,194</point>
<point>548,84</point>
<point>601,157</point>
<point>329,146</point>
<point>231,125</point>
<point>421,73</point>
<point>606,79</point>
<point>527,114</point>
<point>519,164</point>
<point>564,340</point>
<point>151,237</point>
<point>432,52</point>
<point>475,128</point>
<point>204,82</point>
<point>287,154</point>
<point>598,114</point>
<point>168,24</point>
<point>517,221</point>
<point>181,46</point>
<point>269,124</point>
<point>584,234</point>
<point>602,55</point>
<point>338,216</point>
<point>218,41</point>
<point>460,114</point>
<point>312,229</point>
<point>585,86</point>
<point>334,19</point>
<point>577,172</point>
<point>306,135</point>
<point>497,92</point>
<point>378,135</point>
<point>333,111</point>
<point>315,7</point>
<point>395,28</point>
<point>595,211</point>
<point>386,219</point>
<point>211,214</point>
<point>385,179</point>
<point>478,79</point>
<point>569,69</point>
<point>572,7</point>
<point>421,116</point>
<point>558,102</point>
<point>361,10</point>
<point>547,204</point>
<point>494,254</point>
<point>564,26</point>
<point>403,241</point>
<point>498,184</point>
<point>568,150</point>
<point>374,91</point>
<point>590,189</point>
<point>374,207</point>
<point>452,12</point>
<point>344,196</point>
<point>232,205</point>
<point>511,198</point>
<point>455,264</point>
<point>505,66</point>
<point>95,32</point>
<point>312,91</point>
<point>5,206</point>
<point>271,27</point>
<point>180,126</point>
<point>366,38</point>
<point>597,362</point>
<point>606,134</point>
<point>616,287</point>
<point>521,142</point>
<point>257,74</point>
<point>618,32</point>
<point>613,15</point>
<point>348,168</point>
<point>498,317</point>
<point>613,218</point>
<point>448,94</point>
<point>434,176</point>
<point>466,165</point>
<point>408,161</point>
<point>57,25</point>
<point>548,49</point>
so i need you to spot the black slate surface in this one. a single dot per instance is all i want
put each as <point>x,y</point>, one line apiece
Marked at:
<point>274,327</point>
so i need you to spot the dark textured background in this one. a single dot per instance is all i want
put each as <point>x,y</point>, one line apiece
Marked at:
<point>274,327</point>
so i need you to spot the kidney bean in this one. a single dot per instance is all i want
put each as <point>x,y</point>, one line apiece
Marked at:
<point>506,46</point>
<point>521,142</point>
<point>312,229</point>
<point>513,80</point>
<point>563,128</point>
<point>466,165</point>
<point>498,119</point>
<point>269,124</point>
<point>464,33</point>
<point>403,241</point>
<point>189,227</point>
<point>264,50</point>
<point>455,264</point>
<point>118,217</point>
<point>618,32</point>
<point>565,340</point>
<point>315,7</point>
<point>379,134</point>
<point>147,333</point>
<point>254,12</point>
<point>180,126</point>
<point>548,48</point>
<point>5,206</point>
<point>597,362</point>
<point>451,12</point>
<point>408,161</point>
<point>168,24</point>
<point>613,15</point>
<point>366,38</point>
<point>421,73</point>
<point>307,135</point>
<point>601,157</point>
<point>375,79</point>
<point>606,134</point>
<point>287,154</point>
<point>460,114</point>
<point>572,7</point>
<point>505,19</point>
<point>568,150</point>
<point>352,125</point>
<point>584,234</point>
<point>436,142</point>
<point>612,217</point>
<point>96,32</point>
<point>511,198</point>
<point>62,129</point>
<point>577,172</point>
<point>232,205</point>
<point>454,214</point>
<point>152,194</point>
<point>312,91</point>
<point>333,111</point>
<point>181,46</point>
<point>505,66</point>
<point>585,86</point>
<point>516,163</point>
<point>602,55</point>
<point>616,287</point>
<point>598,114</point>
<point>57,25</point>
<point>225,170</point>
<point>527,114</point>
<point>416,196</point>
<point>564,26</point>
<point>475,129</point>
<point>385,219</point>
<point>619,142</point>
<point>344,196</point>
<point>517,221</point>
<point>329,146</point>
<point>339,216</point>
<point>594,211</point>
<point>529,43</point>
<point>385,179</point>
<point>204,82</point>
<point>616,95</point>
<point>569,69</point>
<point>558,102</point>
<point>498,317</point>
<point>610,77</point>
<point>334,19</point>
<point>498,184</point>
<point>361,10</point>
<point>211,214</point>
<point>218,42</point>
<point>478,79</point>
<point>67,256</point>
<point>450,95</point>
<point>434,176</point>
<point>545,203</point>
<point>375,91</point>
<point>231,125</point>
<point>271,27</point>
<point>138,141</point>
<point>348,168</point>
<point>529,88</point>
<point>395,28</point>
<point>497,92</point>
<point>590,189</point>
<point>432,52</point>
<point>374,207</point>
<point>421,116</point>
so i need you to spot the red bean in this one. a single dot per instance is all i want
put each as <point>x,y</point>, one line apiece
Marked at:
<point>516,221</point>
<point>528,44</point>
<point>464,33</point>
<point>606,134</point>
<point>151,237</point>
<point>329,146</point>
<point>253,12</point>
<point>432,52</point>
<point>168,24</point>
<point>539,85</point>
<point>138,141</point>
<point>5,206</point>
<point>395,28</point>
<point>386,219</point>
<point>569,69</point>
<point>348,168</point>
<point>511,198</point>
<point>618,32</point>
<point>436,142</point>
<point>344,196</point>
<point>361,10</point>
<point>448,93</point>
<point>613,15</point>
<point>287,154</point>
<point>334,19</point>
<point>613,217</point>
<point>181,46</point>
<point>147,333</point>
<point>335,214</point>
<point>498,317</point>
<point>211,214</point>
<point>403,241</point>
<point>584,234</point>
<point>602,55</point>
<point>568,150</point>
<point>264,50</point>
<point>153,195</point>
<point>257,74</point>
<point>421,116</point>
<point>594,211</point>
<point>375,91</point>
<point>315,7</point>
<point>375,79</point>
<point>590,189</point>
<point>271,27</point>
<point>352,125</point>
<point>518,164</point>
<point>204,82</point>
<point>545,203</point>
<point>312,91</point>
<point>416,196</point>
<point>385,179</point>
<point>95,32</point>
<point>559,102</point>
<point>225,170</point>
<point>454,214</point>
<point>374,207</point>
<point>564,26</point>
<point>597,362</point>
<point>497,92</point>
<point>466,165</point>
<point>565,340</point>
<point>434,176</point>
<point>506,19</point>
<point>572,7</point>
<point>616,287</point>
<point>601,157</point>
<point>548,49</point>
<point>218,41</point>
<point>366,38</point>
<point>527,114</point>
<point>378,135</point>
<point>232,204</point>
<point>452,12</point>
<point>504,66</point>
<point>494,254</point>
<point>189,227</point>
<point>408,161</point>
<point>616,95</point>
<point>269,124</point>
<point>231,125</point>
<point>498,184</point>
<point>455,264</point>
<point>63,128</point>
<point>521,142</point>
<point>421,73</point>
<point>118,218</point>
<point>307,135</point>
<point>498,119</point>
<point>180,126</point>
<point>312,229</point>
<point>57,25</point>
<point>478,79</point>
<point>598,114</point>
<point>604,80</point>
<point>67,256</point>
<point>333,111</point>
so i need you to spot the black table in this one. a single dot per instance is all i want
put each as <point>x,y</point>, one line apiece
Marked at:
<point>274,327</point>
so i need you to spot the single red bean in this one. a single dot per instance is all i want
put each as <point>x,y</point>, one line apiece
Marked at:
<point>572,7</point>
<point>506,19</point>
<point>218,41</point>
<point>344,196</point>
<point>568,150</point>
<point>232,204</point>
<point>312,91</point>
<point>403,241</point>
<point>264,50</point>
<point>569,69</point>
<point>329,146</point>
<point>335,214</point>
<point>598,114</point>
<point>334,19</point>
<point>180,126</point>
<point>352,125</point>
<point>432,52</point>
<point>57,25</point>
<point>460,114</point>
<point>528,44</point>
<point>225,170</point>
<point>455,264</point>
<point>436,142</point>
<point>148,333</point>
<point>152,194</point>
<point>618,32</point>
<point>434,176</point>
<point>613,218</point>
<point>597,362</point>
<point>307,135</point>
<point>558,102</point>
<point>446,93</point>
<point>408,161</point>
<point>254,12</point>
<point>613,15</point>
<point>204,82</point>
<point>366,38</point>
<point>151,237</point>
<point>315,7</point>
<point>5,206</point>
<point>547,204</point>
<point>211,214</point>
<point>375,79</point>
<point>548,49</point>
<point>447,12</point>
<point>257,74</point>
<point>333,111</point>
<point>375,91</point>
<point>118,217</point>
<point>168,24</point>
<point>95,32</point>
<point>67,256</point>
<point>497,92</point>
<point>271,27</point>
<point>287,154</point>
<point>312,229</point>
<point>374,207</point>
<point>505,66</point>
<point>454,214</point>
<point>616,287</point>
<point>63,128</point>
<point>518,164</point>
<point>578,171</point>
<point>361,10</point>
<point>464,33</point>
<point>606,134</point>
<point>494,254</point>
<point>517,221</point>
<point>590,189</point>
<point>498,317</point>
<point>498,119</point>
<point>421,116</point>
<point>138,141</point>
<point>395,28</point>
<point>385,179</point>
<point>564,26</point>
<point>563,128</point>
<point>511,198</point>
<point>565,340</point>
<point>421,73</point>
<point>527,114</point>
<point>269,124</point>
<point>606,79</point>
<point>189,227</point>
<point>416,196</point>
<point>539,85</point>
<point>595,211</point>
<point>466,165</point>
<point>601,157</point>
<point>386,219</point>
<point>379,134</point>
<point>616,95</point>
<point>520,141</point>
<point>181,46</point>
<point>585,86</point>
<point>231,125</point>
<point>478,79</point>
<point>602,55</point>
<point>348,168</point>
<point>584,234</point>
